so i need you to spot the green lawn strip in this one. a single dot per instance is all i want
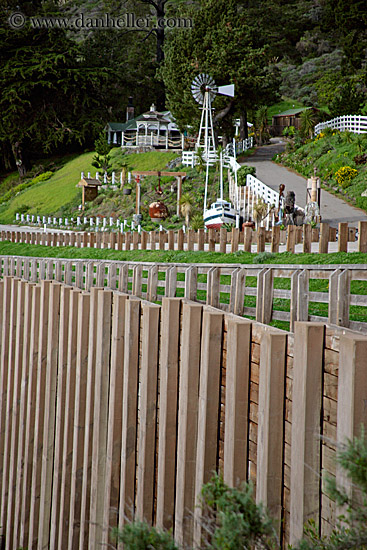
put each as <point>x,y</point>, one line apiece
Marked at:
<point>169,256</point>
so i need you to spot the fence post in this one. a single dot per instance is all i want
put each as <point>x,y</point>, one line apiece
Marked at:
<point>223,240</point>
<point>294,297</point>
<point>324,238</point>
<point>237,401</point>
<point>269,478</point>
<point>49,416</point>
<point>187,421</point>
<point>259,294</point>
<point>307,238</point>
<point>260,239</point>
<point>302,295</point>
<point>352,411</point>
<point>362,236</point>
<point>171,240</point>
<point>136,290</point>
<point>152,283</point>
<point>152,240</point>
<point>144,240</point>
<point>135,240</point>
<point>191,283</point>
<point>113,454</point>
<point>147,412</point>
<point>190,239</point>
<point>127,240</point>
<point>343,298</point>
<point>171,282</point>
<point>211,239</point>
<point>209,385</point>
<point>212,287</point>
<point>306,419</point>
<point>168,411</point>
<point>275,238</point>
<point>129,410</point>
<point>201,236</point>
<point>291,238</point>
<point>235,239</point>
<point>247,239</point>
<point>112,240</point>
<point>162,240</point>
<point>123,278</point>
<point>267,303</point>
<point>180,239</point>
<point>343,232</point>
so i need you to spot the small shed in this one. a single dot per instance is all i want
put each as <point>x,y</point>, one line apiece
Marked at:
<point>292,117</point>
<point>89,189</point>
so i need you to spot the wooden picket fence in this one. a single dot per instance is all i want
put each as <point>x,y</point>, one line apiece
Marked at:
<point>256,291</point>
<point>114,408</point>
<point>212,240</point>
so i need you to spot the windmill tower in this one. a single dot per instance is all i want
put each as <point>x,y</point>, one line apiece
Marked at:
<point>204,90</point>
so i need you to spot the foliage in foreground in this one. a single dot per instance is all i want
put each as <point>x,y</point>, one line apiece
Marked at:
<point>233,521</point>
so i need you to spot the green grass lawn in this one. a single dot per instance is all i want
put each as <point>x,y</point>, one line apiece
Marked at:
<point>153,160</point>
<point>170,256</point>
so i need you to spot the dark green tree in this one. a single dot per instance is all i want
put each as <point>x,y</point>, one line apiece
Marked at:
<point>49,94</point>
<point>220,44</point>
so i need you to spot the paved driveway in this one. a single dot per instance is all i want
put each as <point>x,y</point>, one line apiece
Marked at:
<point>333,209</point>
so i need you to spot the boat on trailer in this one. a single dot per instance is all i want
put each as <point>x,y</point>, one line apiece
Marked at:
<point>220,212</point>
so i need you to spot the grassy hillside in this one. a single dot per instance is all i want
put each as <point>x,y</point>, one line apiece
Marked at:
<point>60,196</point>
<point>51,196</point>
<point>330,152</point>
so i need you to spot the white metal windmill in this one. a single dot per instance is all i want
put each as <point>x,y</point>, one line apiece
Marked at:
<point>204,90</point>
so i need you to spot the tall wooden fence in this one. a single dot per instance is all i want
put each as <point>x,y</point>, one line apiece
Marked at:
<point>264,292</point>
<point>112,408</point>
<point>212,240</point>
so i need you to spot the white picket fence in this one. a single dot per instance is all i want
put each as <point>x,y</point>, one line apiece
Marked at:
<point>353,123</point>
<point>116,178</point>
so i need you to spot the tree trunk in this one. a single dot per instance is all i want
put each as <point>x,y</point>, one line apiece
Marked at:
<point>20,158</point>
<point>243,125</point>
<point>161,94</point>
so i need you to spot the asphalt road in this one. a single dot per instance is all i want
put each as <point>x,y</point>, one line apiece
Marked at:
<point>333,209</point>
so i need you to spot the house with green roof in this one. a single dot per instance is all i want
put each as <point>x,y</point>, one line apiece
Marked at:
<point>291,117</point>
<point>151,129</point>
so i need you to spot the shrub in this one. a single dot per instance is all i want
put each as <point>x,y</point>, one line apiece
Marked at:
<point>242,174</point>
<point>344,176</point>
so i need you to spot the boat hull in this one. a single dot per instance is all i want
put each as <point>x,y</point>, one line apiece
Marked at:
<point>215,220</point>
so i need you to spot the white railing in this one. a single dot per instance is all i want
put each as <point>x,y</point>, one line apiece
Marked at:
<point>153,140</point>
<point>262,190</point>
<point>190,158</point>
<point>352,123</point>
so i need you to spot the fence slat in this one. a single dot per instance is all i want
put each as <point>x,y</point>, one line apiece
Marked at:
<point>187,421</point>
<point>169,363</point>
<point>306,419</point>
<point>147,412</point>
<point>207,431</point>
<point>269,476</point>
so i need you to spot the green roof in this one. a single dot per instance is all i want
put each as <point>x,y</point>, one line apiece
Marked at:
<point>116,126</point>
<point>291,112</point>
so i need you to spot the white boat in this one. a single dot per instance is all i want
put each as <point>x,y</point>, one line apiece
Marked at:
<point>221,211</point>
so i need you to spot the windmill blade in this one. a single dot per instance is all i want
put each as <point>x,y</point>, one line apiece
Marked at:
<point>226,90</point>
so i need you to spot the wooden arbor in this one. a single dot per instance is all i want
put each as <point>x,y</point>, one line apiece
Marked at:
<point>178,175</point>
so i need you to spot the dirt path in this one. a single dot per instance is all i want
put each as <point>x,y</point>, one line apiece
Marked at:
<point>333,209</point>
